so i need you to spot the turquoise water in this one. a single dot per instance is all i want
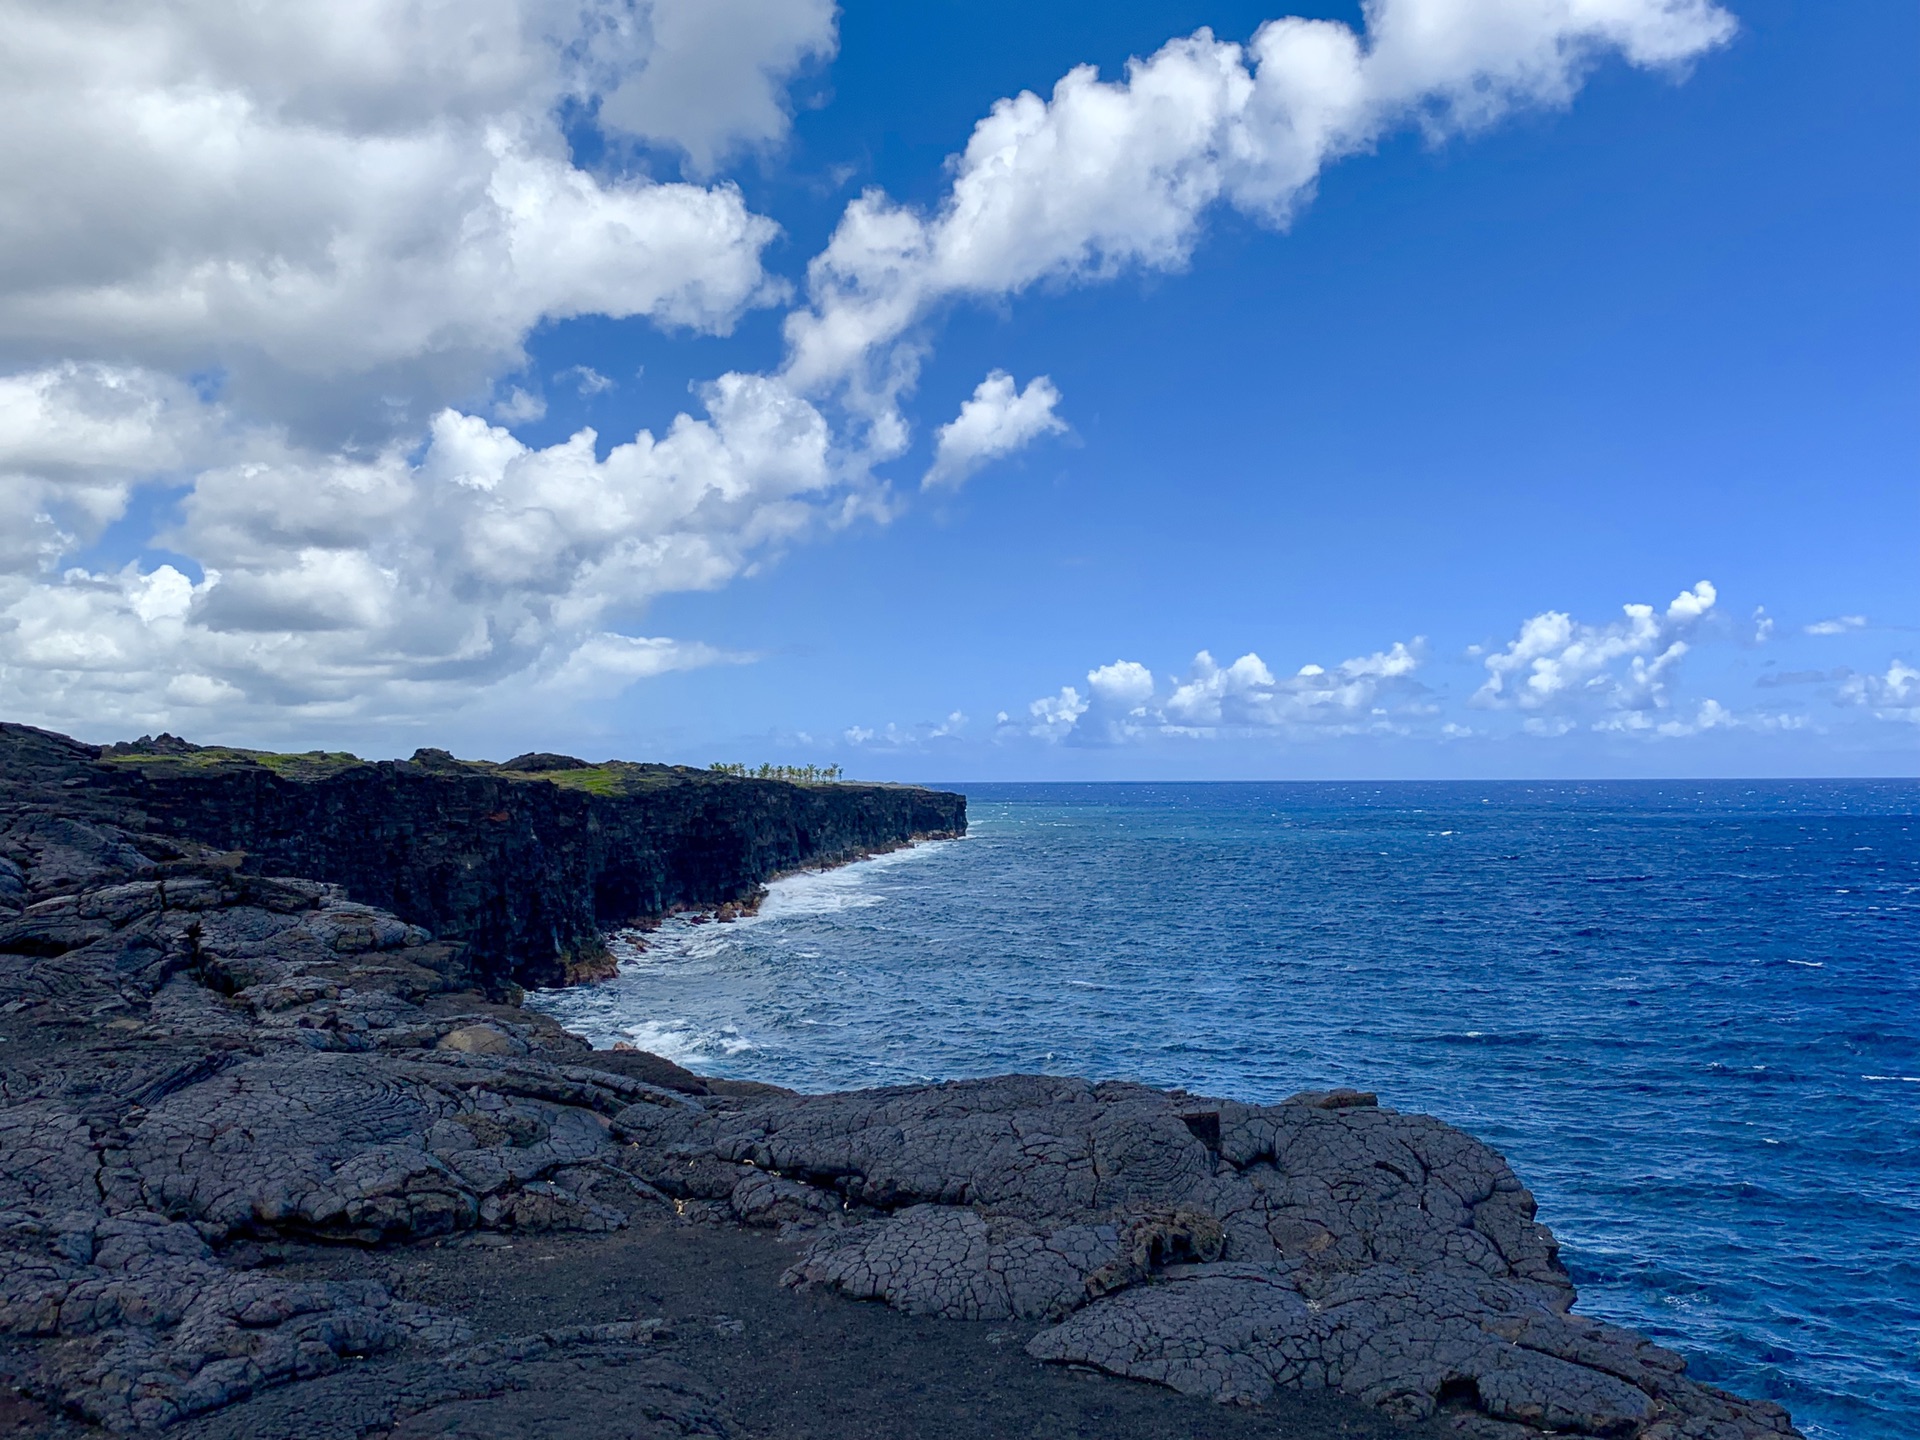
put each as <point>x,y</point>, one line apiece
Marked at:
<point>1688,1014</point>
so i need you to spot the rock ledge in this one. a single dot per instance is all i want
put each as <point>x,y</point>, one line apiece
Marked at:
<point>200,1065</point>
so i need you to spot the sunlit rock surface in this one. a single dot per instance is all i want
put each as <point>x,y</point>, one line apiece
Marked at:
<point>203,1062</point>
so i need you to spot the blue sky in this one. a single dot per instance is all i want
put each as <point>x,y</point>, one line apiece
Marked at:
<point>1650,325</point>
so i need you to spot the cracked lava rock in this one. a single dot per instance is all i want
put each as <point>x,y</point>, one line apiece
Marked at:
<point>203,1068</point>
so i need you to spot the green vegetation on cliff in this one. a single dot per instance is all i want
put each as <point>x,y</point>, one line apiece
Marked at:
<point>528,862</point>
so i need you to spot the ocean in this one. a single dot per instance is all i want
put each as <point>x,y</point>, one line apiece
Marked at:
<point>1687,1013</point>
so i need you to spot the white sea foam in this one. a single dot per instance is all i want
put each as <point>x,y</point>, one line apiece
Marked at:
<point>674,941</point>
<point>822,892</point>
<point>827,892</point>
<point>685,1043</point>
<point>805,893</point>
<point>879,974</point>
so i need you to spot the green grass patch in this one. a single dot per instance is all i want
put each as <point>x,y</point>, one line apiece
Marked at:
<point>616,777</point>
<point>210,759</point>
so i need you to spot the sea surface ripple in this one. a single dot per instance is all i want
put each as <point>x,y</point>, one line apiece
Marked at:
<point>1689,1014</point>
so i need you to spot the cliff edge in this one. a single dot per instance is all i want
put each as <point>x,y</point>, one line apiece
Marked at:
<point>526,864</point>
<point>260,1149</point>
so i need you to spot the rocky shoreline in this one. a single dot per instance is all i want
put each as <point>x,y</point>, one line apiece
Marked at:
<point>526,864</point>
<point>279,1161</point>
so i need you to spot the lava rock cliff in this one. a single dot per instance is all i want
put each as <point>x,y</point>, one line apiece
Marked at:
<point>201,1068</point>
<point>527,865</point>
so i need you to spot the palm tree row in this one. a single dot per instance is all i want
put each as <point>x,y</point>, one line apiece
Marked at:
<point>802,774</point>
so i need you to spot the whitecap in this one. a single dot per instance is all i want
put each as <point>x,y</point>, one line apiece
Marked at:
<point>827,892</point>
<point>685,1043</point>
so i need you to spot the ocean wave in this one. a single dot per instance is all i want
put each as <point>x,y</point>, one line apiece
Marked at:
<point>685,1043</point>
<point>1614,1006</point>
<point>827,892</point>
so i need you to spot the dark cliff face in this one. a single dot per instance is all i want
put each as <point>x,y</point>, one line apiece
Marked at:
<point>529,867</point>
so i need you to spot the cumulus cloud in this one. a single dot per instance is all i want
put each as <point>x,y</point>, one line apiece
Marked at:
<point>338,588</point>
<point>998,420</point>
<point>1558,663</point>
<point>343,204</point>
<point>715,73</point>
<point>1710,715</point>
<point>1125,702</point>
<point>1837,625</point>
<point>75,440</point>
<point>1355,694</point>
<point>343,223</point>
<point>1558,677</point>
<point>338,219</point>
<point>905,737</point>
<point>1103,176</point>
<point>520,407</point>
<point>1892,696</point>
<point>1053,717</point>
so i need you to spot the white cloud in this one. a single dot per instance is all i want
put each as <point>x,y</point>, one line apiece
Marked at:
<point>1107,176</point>
<point>1838,625</point>
<point>342,588</point>
<point>1054,716</point>
<point>1709,716</point>
<point>715,73</point>
<point>1892,696</point>
<point>520,407</point>
<point>1762,625</point>
<point>1246,696</point>
<point>348,214</point>
<point>1118,705</point>
<point>604,664</point>
<point>1125,703</point>
<point>907,737</point>
<point>586,379</point>
<point>1559,663</point>
<point>347,220</point>
<point>345,217</point>
<point>341,204</point>
<point>75,440</point>
<point>1212,692</point>
<point>998,420</point>
<point>1125,685</point>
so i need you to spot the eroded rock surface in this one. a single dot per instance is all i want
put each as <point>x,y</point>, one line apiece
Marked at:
<point>201,1064</point>
<point>529,863</point>
<point>1222,1249</point>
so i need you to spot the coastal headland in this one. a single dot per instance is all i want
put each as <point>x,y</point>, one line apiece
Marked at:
<point>527,864</point>
<point>281,1156</point>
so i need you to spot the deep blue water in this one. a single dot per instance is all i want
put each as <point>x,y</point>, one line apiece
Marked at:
<point>1689,1014</point>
